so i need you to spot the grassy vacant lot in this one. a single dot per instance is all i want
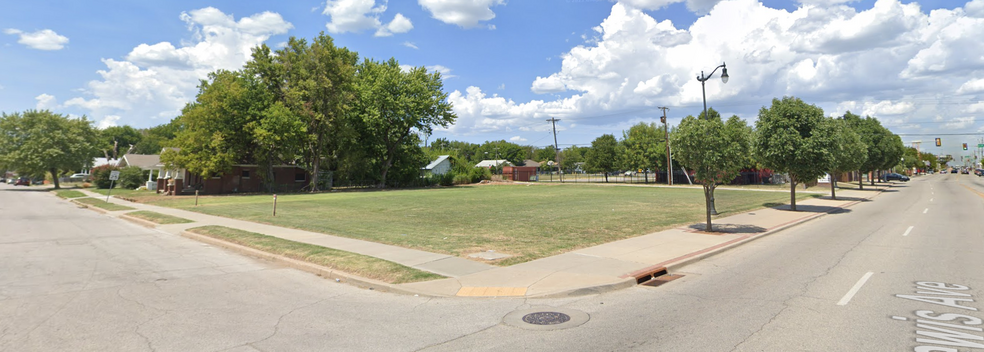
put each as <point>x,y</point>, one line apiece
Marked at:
<point>528,222</point>
<point>158,218</point>
<point>348,262</point>
<point>68,193</point>
<point>101,203</point>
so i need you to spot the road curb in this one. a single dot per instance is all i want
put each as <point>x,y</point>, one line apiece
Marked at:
<point>83,205</point>
<point>324,272</point>
<point>585,291</point>
<point>145,223</point>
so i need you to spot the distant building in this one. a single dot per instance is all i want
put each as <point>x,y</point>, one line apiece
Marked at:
<point>439,166</point>
<point>493,163</point>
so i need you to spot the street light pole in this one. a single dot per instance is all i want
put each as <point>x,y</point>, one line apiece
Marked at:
<point>702,79</point>
<point>669,159</point>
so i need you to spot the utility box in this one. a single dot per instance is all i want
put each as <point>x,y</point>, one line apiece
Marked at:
<point>520,173</point>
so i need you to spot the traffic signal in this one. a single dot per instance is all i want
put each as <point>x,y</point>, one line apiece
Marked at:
<point>939,142</point>
<point>965,146</point>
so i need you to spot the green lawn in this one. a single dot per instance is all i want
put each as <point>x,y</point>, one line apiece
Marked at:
<point>68,193</point>
<point>158,218</point>
<point>101,203</point>
<point>528,222</point>
<point>347,262</point>
<point>124,193</point>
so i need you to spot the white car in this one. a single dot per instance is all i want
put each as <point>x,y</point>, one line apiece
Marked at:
<point>78,177</point>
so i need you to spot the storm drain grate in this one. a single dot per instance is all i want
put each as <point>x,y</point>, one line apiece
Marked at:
<point>659,280</point>
<point>546,318</point>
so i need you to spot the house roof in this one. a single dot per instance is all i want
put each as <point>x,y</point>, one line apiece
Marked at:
<point>532,163</point>
<point>436,162</point>
<point>143,161</point>
<point>491,163</point>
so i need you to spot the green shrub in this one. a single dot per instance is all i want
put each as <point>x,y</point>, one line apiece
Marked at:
<point>462,179</point>
<point>477,174</point>
<point>447,179</point>
<point>100,175</point>
<point>131,177</point>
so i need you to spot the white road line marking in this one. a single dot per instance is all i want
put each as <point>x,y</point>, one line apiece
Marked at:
<point>896,317</point>
<point>926,211</point>
<point>931,200</point>
<point>907,231</point>
<point>854,290</point>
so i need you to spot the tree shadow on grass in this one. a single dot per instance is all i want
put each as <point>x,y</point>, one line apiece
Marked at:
<point>728,228</point>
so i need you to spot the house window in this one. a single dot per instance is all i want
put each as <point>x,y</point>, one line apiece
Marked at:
<point>300,177</point>
<point>245,174</point>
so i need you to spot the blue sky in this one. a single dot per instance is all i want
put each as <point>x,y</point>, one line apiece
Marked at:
<point>600,66</point>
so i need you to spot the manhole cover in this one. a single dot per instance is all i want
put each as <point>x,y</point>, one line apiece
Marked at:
<point>546,318</point>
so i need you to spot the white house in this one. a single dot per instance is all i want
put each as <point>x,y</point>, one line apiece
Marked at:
<point>439,166</point>
<point>493,163</point>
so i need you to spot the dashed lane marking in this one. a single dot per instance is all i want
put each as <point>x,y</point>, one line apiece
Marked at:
<point>854,290</point>
<point>907,231</point>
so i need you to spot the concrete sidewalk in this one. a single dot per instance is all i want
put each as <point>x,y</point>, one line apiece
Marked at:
<point>589,270</point>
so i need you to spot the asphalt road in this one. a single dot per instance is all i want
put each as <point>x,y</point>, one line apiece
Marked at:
<point>900,273</point>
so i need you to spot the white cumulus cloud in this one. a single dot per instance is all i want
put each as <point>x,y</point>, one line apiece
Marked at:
<point>360,15</point>
<point>45,102</point>
<point>44,39</point>
<point>464,13</point>
<point>156,80</point>
<point>892,60</point>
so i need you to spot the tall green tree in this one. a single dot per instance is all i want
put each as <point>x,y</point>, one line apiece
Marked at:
<point>212,138</point>
<point>715,150</point>
<point>644,147</point>
<point>876,140</point>
<point>601,157</point>
<point>39,141</point>
<point>545,154</point>
<point>118,140</point>
<point>156,138</point>
<point>794,137</point>
<point>394,105</point>
<point>849,152</point>
<point>316,82</point>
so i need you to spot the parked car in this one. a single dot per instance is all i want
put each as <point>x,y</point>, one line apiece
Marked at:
<point>78,177</point>
<point>23,181</point>
<point>965,171</point>
<point>895,177</point>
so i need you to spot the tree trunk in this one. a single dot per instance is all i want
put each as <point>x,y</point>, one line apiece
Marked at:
<point>860,181</point>
<point>871,177</point>
<point>792,195</point>
<point>271,179</point>
<point>54,177</point>
<point>314,174</point>
<point>833,186</point>
<point>707,208</point>
<point>606,176</point>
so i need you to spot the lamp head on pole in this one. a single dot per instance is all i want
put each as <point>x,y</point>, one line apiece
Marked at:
<point>724,75</point>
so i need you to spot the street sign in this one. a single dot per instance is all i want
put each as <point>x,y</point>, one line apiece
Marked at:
<point>980,145</point>
<point>114,175</point>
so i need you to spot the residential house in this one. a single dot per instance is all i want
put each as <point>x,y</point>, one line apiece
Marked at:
<point>439,166</point>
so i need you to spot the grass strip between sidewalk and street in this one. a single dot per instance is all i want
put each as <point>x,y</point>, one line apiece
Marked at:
<point>69,193</point>
<point>348,262</point>
<point>158,218</point>
<point>102,204</point>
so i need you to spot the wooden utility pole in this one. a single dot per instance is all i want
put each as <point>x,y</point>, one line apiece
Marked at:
<point>669,159</point>
<point>553,121</point>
